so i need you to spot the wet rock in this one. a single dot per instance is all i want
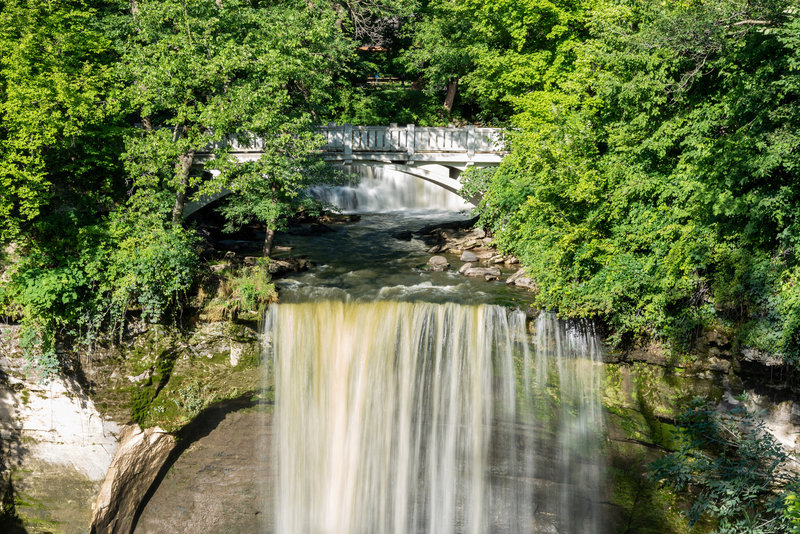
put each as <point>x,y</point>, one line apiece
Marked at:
<point>484,254</point>
<point>438,263</point>
<point>139,458</point>
<point>435,249</point>
<point>279,248</point>
<point>495,260</point>
<point>488,273</point>
<point>464,268</point>
<point>519,279</point>
<point>288,265</point>
<point>468,256</point>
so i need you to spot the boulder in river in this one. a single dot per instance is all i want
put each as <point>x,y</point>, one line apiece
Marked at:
<point>520,279</point>
<point>468,256</point>
<point>488,273</point>
<point>438,263</point>
<point>464,268</point>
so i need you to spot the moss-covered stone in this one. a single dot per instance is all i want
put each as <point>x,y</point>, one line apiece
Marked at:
<point>641,401</point>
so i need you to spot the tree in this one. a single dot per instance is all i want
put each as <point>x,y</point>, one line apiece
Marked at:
<point>57,123</point>
<point>198,71</point>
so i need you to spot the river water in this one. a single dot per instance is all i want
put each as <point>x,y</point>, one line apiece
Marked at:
<point>416,402</point>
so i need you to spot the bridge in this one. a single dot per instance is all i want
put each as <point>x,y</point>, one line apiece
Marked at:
<point>437,154</point>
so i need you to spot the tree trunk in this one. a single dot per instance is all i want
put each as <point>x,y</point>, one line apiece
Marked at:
<point>268,242</point>
<point>451,95</point>
<point>182,168</point>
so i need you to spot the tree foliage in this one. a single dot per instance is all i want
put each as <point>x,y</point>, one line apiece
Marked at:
<point>651,184</point>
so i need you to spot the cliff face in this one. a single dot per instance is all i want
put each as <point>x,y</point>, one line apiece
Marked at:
<point>55,446</point>
<point>58,439</point>
<point>203,471</point>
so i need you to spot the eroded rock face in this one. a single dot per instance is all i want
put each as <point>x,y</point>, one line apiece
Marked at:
<point>221,482</point>
<point>55,447</point>
<point>140,456</point>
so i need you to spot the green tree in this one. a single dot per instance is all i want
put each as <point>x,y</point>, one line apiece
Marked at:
<point>199,71</point>
<point>57,134</point>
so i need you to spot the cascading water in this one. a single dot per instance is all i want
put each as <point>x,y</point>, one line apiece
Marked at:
<point>398,417</point>
<point>381,190</point>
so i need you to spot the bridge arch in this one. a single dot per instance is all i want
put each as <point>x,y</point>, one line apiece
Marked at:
<point>436,155</point>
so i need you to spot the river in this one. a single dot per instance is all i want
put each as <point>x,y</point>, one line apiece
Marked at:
<point>417,401</point>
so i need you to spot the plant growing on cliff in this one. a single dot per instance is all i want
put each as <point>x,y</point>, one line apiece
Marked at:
<point>731,469</point>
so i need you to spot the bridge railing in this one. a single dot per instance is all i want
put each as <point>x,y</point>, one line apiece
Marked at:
<point>411,139</point>
<point>347,139</point>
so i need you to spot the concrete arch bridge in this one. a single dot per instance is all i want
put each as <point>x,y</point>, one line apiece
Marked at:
<point>434,154</point>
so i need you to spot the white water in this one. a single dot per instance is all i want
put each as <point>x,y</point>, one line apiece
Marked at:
<point>399,417</point>
<point>383,190</point>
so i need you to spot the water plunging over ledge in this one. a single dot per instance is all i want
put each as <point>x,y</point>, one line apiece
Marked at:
<point>382,190</point>
<point>399,417</point>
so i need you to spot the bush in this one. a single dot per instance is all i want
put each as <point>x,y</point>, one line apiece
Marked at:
<point>732,470</point>
<point>79,280</point>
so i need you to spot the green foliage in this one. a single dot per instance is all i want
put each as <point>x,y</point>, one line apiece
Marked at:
<point>275,186</point>
<point>388,104</point>
<point>650,183</point>
<point>85,281</point>
<point>57,132</point>
<point>498,52</point>
<point>792,512</point>
<point>242,290</point>
<point>734,469</point>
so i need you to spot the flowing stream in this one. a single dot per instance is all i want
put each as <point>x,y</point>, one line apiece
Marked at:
<point>414,402</point>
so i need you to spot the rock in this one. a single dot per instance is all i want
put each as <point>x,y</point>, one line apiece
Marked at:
<point>497,259</point>
<point>468,244</point>
<point>479,233</point>
<point>145,375</point>
<point>512,260</point>
<point>464,268</point>
<point>525,282</point>
<point>220,483</point>
<point>520,280</point>
<point>483,272</point>
<point>288,265</point>
<point>490,276</point>
<point>279,248</point>
<point>250,260</point>
<point>513,278</point>
<point>139,458</point>
<point>435,249</point>
<point>468,256</point>
<point>719,366</point>
<point>438,263</point>
<point>484,254</point>
<point>454,251</point>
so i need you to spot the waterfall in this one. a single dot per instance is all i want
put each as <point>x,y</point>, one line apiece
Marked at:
<point>395,417</point>
<point>382,190</point>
